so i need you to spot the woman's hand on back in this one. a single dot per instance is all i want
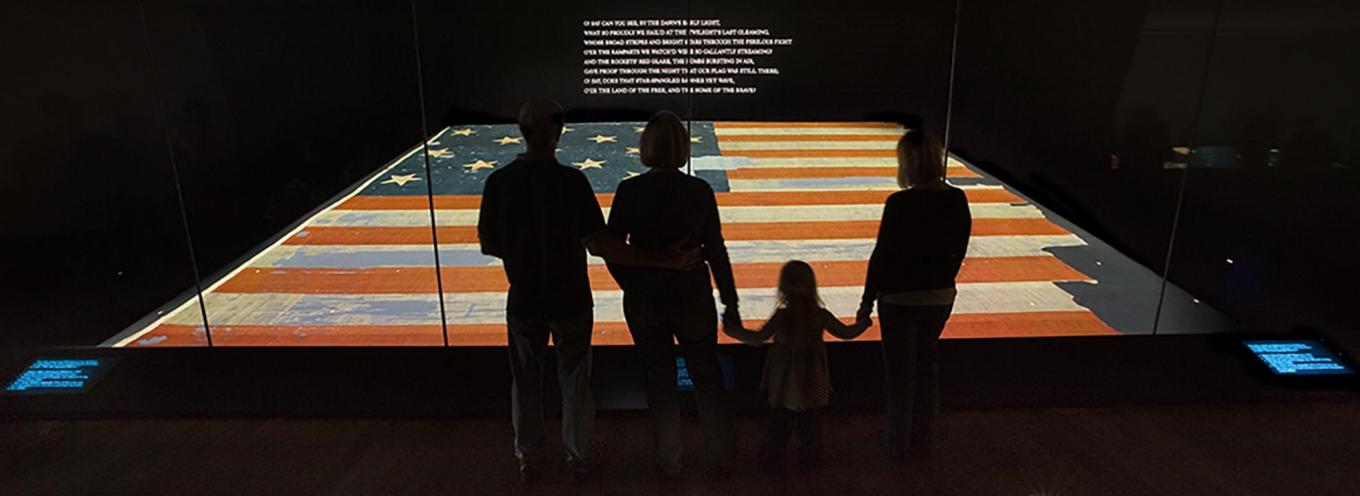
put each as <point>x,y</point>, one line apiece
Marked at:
<point>683,255</point>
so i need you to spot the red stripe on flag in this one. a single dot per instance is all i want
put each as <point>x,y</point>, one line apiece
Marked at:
<point>969,325</point>
<point>859,229</point>
<point>827,172</point>
<point>807,137</point>
<point>811,153</point>
<point>420,280</point>
<point>737,199</point>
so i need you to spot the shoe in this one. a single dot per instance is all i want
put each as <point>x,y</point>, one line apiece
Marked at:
<point>896,450</point>
<point>669,474</point>
<point>810,462</point>
<point>898,453</point>
<point>579,476</point>
<point>529,473</point>
<point>771,460</point>
<point>725,470</point>
<point>580,472</point>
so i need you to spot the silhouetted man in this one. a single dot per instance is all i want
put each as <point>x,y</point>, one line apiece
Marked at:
<point>540,217</point>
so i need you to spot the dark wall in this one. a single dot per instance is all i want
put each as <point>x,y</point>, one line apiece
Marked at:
<point>92,233</point>
<point>1271,239</point>
<point>1036,94</point>
<point>1076,103</point>
<point>274,107</point>
<point>271,107</point>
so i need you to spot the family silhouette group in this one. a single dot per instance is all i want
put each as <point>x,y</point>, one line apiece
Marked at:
<point>663,244</point>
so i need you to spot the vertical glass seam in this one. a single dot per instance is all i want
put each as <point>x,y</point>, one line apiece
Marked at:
<point>1189,162</point>
<point>949,98</point>
<point>429,183</point>
<point>174,169</point>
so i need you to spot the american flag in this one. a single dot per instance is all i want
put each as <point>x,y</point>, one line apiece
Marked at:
<point>361,271</point>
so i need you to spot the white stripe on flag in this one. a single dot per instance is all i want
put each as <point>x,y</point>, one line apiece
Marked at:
<point>819,184</point>
<point>813,162</point>
<point>489,308</point>
<point>763,251</point>
<point>742,214</point>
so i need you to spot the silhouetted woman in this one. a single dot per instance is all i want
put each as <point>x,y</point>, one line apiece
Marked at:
<point>658,210</point>
<point>922,240</point>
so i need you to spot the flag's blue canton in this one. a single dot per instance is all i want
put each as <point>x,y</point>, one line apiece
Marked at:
<point>452,175</point>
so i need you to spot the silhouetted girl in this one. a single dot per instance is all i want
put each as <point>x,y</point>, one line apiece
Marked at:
<point>796,379</point>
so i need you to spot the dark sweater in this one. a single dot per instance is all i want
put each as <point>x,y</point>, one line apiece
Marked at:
<point>922,240</point>
<point>658,209</point>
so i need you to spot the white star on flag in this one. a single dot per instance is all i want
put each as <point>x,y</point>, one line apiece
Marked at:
<point>467,131</point>
<point>589,164</point>
<point>479,165</point>
<point>506,140</point>
<point>401,180</point>
<point>603,139</point>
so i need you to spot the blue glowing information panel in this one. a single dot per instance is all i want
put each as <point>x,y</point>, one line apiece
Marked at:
<point>683,381</point>
<point>58,375</point>
<point>1298,357</point>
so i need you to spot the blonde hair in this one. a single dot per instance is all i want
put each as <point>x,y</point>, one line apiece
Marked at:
<point>797,291</point>
<point>920,159</point>
<point>665,142</point>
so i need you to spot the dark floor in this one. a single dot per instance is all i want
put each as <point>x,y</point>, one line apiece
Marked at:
<point>1275,449</point>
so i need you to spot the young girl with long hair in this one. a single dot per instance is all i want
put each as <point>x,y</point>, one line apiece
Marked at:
<point>796,378</point>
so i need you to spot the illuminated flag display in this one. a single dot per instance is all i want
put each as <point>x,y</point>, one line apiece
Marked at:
<point>361,271</point>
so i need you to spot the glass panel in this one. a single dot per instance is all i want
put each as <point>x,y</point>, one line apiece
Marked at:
<point>1265,231</point>
<point>474,87</point>
<point>285,117</point>
<point>93,230</point>
<point>800,143</point>
<point>1075,110</point>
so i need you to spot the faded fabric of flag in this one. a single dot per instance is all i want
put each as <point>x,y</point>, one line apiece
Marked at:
<point>362,270</point>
